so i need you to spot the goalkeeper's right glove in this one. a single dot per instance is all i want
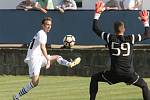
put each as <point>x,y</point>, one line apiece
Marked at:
<point>144,17</point>
<point>99,8</point>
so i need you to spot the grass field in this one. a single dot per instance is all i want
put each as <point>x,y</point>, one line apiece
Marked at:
<point>66,88</point>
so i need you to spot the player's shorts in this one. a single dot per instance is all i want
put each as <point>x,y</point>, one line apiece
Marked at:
<point>112,77</point>
<point>35,63</point>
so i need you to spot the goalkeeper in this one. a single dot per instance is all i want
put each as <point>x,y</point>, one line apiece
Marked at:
<point>121,50</point>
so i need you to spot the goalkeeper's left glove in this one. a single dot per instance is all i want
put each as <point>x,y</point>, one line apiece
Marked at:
<point>99,8</point>
<point>144,17</point>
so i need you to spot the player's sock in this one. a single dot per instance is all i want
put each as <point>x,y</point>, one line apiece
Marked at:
<point>62,61</point>
<point>25,90</point>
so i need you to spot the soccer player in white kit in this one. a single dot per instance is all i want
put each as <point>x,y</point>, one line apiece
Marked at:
<point>37,57</point>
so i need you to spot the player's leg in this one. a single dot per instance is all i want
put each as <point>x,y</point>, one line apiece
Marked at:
<point>23,91</point>
<point>95,78</point>
<point>59,59</point>
<point>135,79</point>
<point>34,71</point>
<point>34,82</point>
<point>143,85</point>
<point>62,61</point>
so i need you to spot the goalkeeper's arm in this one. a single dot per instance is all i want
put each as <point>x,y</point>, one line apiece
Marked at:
<point>144,17</point>
<point>99,8</point>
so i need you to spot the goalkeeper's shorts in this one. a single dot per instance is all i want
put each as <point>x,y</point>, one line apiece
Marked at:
<point>113,78</point>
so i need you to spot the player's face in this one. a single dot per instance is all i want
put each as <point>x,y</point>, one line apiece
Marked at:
<point>47,26</point>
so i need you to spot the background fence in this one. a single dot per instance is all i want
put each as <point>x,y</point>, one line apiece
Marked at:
<point>18,26</point>
<point>93,60</point>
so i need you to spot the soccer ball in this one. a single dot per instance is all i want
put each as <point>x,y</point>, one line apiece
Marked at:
<point>69,41</point>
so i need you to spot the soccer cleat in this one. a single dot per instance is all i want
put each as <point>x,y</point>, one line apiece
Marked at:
<point>75,62</point>
<point>15,98</point>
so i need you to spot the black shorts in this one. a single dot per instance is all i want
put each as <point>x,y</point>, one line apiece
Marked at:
<point>112,77</point>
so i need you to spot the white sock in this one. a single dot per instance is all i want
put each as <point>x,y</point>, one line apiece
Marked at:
<point>25,90</point>
<point>62,61</point>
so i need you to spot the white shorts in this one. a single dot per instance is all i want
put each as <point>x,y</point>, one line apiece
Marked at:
<point>35,63</point>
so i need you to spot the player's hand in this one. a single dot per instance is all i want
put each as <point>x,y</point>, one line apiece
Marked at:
<point>48,64</point>
<point>144,17</point>
<point>43,10</point>
<point>61,10</point>
<point>99,7</point>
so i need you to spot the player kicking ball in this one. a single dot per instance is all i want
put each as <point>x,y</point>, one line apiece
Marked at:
<point>121,50</point>
<point>37,57</point>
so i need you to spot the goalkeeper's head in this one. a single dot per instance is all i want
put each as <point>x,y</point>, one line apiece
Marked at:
<point>119,28</point>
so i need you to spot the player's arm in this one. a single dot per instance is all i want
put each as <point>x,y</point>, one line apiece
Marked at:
<point>38,7</point>
<point>99,8</point>
<point>46,6</point>
<point>44,51</point>
<point>144,17</point>
<point>43,41</point>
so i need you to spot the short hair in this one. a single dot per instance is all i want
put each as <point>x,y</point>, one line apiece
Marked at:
<point>46,19</point>
<point>118,26</point>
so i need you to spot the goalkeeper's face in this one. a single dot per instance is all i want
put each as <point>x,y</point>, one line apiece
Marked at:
<point>46,26</point>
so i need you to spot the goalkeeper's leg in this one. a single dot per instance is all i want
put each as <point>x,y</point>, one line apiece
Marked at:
<point>143,85</point>
<point>94,84</point>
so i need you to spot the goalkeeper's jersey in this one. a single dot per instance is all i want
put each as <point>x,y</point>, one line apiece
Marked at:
<point>120,48</point>
<point>34,48</point>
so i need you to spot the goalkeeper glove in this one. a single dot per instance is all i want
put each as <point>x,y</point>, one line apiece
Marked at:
<point>99,8</point>
<point>144,17</point>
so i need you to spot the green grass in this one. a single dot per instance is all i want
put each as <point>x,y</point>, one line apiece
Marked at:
<point>66,88</point>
